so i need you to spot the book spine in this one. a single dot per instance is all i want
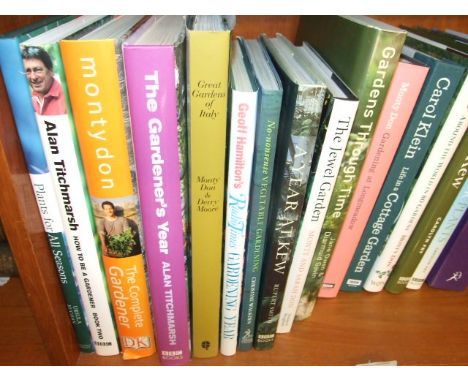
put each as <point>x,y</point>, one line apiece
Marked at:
<point>208,60</point>
<point>423,126</point>
<point>338,125</point>
<point>11,65</point>
<point>451,269</point>
<point>435,211</point>
<point>401,98</point>
<point>440,239</point>
<point>152,94</point>
<point>264,156</point>
<point>60,144</point>
<point>380,70</point>
<point>440,155</point>
<point>292,168</point>
<point>242,138</point>
<point>94,78</point>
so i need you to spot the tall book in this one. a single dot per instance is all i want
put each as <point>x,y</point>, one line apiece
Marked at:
<point>441,237</point>
<point>451,269</point>
<point>402,95</point>
<point>337,119</point>
<point>302,106</point>
<point>49,94</point>
<point>269,108</point>
<point>154,68</point>
<point>440,154</point>
<point>95,78</point>
<point>208,40</point>
<point>444,195</point>
<point>243,110</point>
<point>11,65</point>
<point>364,53</point>
<point>426,119</point>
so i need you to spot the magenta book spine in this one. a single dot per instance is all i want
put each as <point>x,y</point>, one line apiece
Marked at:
<point>151,87</point>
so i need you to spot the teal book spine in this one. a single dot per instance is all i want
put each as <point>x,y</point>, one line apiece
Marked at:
<point>426,120</point>
<point>264,155</point>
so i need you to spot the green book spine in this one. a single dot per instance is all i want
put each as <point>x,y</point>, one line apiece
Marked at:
<point>422,129</point>
<point>434,213</point>
<point>370,82</point>
<point>265,146</point>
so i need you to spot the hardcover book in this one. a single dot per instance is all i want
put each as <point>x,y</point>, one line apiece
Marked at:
<point>423,127</point>
<point>58,135</point>
<point>364,53</point>
<point>95,78</point>
<point>448,187</point>
<point>11,65</point>
<point>154,67</point>
<point>440,239</point>
<point>402,96</point>
<point>208,40</point>
<point>451,270</point>
<point>440,154</point>
<point>243,110</point>
<point>269,107</point>
<point>303,99</point>
<point>337,119</point>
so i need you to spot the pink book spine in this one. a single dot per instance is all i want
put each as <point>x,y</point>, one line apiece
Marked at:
<point>401,98</point>
<point>151,88</point>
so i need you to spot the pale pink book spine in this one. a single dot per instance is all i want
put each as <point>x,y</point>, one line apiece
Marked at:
<point>401,98</point>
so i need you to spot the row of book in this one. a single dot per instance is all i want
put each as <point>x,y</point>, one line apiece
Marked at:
<point>217,187</point>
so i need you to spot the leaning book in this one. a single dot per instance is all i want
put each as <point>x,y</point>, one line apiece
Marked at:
<point>94,70</point>
<point>11,65</point>
<point>58,136</point>
<point>154,70</point>
<point>337,119</point>
<point>364,53</point>
<point>303,99</point>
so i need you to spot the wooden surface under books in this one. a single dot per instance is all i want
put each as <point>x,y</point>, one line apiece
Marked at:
<point>426,327</point>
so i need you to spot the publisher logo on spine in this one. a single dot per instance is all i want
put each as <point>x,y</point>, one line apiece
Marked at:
<point>136,342</point>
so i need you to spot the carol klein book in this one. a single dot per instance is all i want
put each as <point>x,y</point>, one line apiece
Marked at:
<point>94,70</point>
<point>337,119</point>
<point>154,68</point>
<point>57,129</point>
<point>303,99</point>
<point>243,110</point>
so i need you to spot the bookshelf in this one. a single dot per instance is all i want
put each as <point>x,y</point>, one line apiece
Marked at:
<point>426,327</point>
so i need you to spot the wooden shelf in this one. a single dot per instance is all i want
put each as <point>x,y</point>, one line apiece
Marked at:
<point>426,327</point>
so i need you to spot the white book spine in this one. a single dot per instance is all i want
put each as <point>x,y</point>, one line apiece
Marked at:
<point>242,139</point>
<point>59,148</point>
<point>333,148</point>
<point>440,239</point>
<point>440,155</point>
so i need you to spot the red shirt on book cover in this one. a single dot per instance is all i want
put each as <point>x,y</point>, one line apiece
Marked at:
<point>52,103</point>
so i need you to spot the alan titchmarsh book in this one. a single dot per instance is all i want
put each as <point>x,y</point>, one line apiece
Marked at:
<point>154,68</point>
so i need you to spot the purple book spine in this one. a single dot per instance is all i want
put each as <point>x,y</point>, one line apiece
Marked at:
<point>451,269</point>
<point>151,88</point>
